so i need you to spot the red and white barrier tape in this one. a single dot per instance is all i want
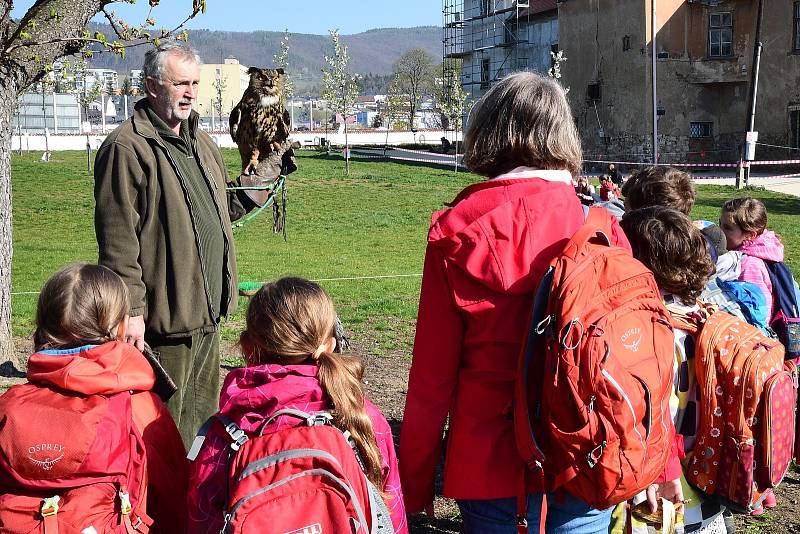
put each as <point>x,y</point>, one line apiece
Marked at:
<point>701,165</point>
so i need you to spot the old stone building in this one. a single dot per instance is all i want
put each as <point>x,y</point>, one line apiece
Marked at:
<point>704,51</point>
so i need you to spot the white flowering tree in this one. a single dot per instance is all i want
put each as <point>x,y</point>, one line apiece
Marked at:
<point>340,87</point>
<point>281,61</point>
<point>452,103</point>
<point>396,104</point>
<point>555,71</point>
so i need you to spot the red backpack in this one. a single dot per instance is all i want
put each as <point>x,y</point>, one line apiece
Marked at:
<point>746,419</point>
<point>596,372</point>
<point>70,464</point>
<point>301,480</point>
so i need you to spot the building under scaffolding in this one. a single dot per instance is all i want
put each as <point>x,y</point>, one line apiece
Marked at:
<point>485,40</point>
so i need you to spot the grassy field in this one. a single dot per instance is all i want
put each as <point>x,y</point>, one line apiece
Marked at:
<point>372,223</point>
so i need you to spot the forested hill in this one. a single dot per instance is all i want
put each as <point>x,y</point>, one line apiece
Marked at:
<point>372,51</point>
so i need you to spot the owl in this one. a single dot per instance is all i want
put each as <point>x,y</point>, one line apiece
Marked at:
<point>259,123</point>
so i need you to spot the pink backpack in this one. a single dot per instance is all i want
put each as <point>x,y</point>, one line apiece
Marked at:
<point>302,480</point>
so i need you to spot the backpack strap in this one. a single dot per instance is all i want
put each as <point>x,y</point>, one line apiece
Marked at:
<point>237,435</point>
<point>597,224</point>
<point>49,513</point>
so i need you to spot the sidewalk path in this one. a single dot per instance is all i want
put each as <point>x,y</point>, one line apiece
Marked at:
<point>789,186</point>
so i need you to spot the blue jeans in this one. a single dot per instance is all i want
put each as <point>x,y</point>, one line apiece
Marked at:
<point>498,516</point>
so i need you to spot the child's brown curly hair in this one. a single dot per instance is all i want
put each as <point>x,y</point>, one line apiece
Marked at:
<point>667,242</point>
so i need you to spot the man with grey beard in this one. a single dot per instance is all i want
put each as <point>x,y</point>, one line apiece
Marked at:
<point>163,223</point>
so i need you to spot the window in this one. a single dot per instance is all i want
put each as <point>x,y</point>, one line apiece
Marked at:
<point>699,130</point>
<point>720,34</point>
<point>485,66</point>
<point>794,127</point>
<point>626,43</point>
<point>796,34</point>
<point>485,6</point>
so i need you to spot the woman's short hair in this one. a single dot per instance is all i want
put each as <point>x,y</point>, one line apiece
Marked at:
<point>667,242</point>
<point>524,120</point>
<point>659,186</point>
<point>154,58</point>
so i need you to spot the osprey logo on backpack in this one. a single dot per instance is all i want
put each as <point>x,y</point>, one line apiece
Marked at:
<point>50,449</point>
<point>316,528</point>
<point>631,339</point>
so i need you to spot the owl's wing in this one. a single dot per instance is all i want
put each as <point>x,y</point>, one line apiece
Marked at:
<point>234,121</point>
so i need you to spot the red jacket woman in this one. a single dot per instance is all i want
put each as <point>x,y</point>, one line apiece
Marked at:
<point>485,256</point>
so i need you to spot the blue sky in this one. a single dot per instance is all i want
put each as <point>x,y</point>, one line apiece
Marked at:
<point>309,16</point>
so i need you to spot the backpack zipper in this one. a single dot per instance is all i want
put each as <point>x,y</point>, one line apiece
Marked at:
<point>621,391</point>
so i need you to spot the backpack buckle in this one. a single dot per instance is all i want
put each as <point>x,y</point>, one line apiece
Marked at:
<point>50,506</point>
<point>522,521</point>
<point>237,435</point>
<point>573,324</point>
<point>594,455</point>
<point>543,324</point>
<point>319,419</point>
<point>125,507</point>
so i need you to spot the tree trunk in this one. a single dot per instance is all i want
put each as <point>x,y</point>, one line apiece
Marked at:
<point>8,95</point>
<point>346,150</point>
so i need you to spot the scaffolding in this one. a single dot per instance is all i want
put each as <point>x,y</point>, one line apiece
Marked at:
<point>483,41</point>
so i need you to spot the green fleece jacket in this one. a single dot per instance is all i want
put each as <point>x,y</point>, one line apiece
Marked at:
<point>145,226</point>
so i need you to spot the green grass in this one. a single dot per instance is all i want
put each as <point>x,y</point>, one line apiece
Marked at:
<point>372,223</point>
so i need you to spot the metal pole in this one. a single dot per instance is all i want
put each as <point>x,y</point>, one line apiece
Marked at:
<point>751,115</point>
<point>655,90</point>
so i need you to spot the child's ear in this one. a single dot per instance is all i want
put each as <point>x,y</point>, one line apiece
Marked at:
<point>330,345</point>
<point>122,327</point>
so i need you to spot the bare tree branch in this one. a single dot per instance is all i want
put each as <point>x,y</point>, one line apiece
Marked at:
<point>114,24</point>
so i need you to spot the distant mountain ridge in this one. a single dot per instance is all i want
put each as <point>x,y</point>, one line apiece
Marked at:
<point>372,51</point>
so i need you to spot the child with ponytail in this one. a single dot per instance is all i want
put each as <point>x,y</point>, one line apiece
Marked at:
<point>289,345</point>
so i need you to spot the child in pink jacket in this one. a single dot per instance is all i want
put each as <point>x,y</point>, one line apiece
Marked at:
<point>744,221</point>
<point>291,364</point>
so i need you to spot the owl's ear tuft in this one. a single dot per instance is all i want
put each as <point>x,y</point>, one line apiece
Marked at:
<point>279,71</point>
<point>253,70</point>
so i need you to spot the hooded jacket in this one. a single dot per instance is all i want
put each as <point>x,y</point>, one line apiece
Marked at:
<point>251,394</point>
<point>485,256</point>
<point>766,246</point>
<point>112,368</point>
<point>145,227</point>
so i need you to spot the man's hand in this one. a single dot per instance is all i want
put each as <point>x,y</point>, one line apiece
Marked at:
<point>134,335</point>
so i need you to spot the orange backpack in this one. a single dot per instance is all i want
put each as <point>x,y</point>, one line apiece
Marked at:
<point>596,373</point>
<point>70,463</point>
<point>747,400</point>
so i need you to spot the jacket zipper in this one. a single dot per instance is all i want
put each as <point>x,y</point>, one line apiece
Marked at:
<point>226,248</point>
<point>194,231</point>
